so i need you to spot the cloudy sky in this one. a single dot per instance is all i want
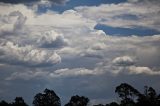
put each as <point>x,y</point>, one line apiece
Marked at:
<point>84,47</point>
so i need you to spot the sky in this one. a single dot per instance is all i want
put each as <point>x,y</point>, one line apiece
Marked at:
<point>83,47</point>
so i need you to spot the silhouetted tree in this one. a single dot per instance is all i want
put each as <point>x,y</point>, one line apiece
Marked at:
<point>110,104</point>
<point>158,99</point>
<point>113,104</point>
<point>78,101</point>
<point>19,101</point>
<point>49,98</point>
<point>129,97</point>
<point>4,103</point>
<point>99,105</point>
<point>149,97</point>
<point>127,93</point>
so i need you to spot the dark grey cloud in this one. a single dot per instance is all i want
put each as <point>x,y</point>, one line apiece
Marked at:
<point>30,2</point>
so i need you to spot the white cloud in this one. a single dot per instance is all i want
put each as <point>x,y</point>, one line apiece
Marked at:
<point>71,72</point>
<point>92,54</point>
<point>123,61</point>
<point>71,34</point>
<point>18,25</point>
<point>20,7</point>
<point>68,19</point>
<point>27,55</point>
<point>27,75</point>
<point>99,46</point>
<point>52,39</point>
<point>142,70</point>
<point>12,24</point>
<point>124,15</point>
<point>39,74</point>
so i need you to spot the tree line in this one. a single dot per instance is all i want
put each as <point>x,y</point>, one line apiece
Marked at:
<point>128,95</point>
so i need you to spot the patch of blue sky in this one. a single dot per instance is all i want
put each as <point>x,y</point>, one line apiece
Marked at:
<point>117,31</point>
<point>74,3</point>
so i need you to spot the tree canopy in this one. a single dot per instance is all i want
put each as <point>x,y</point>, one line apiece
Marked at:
<point>48,98</point>
<point>78,101</point>
<point>129,96</point>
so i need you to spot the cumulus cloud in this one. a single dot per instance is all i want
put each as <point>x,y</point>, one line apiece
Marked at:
<point>127,65</point>
<point>26,55</point>
<point>142,70</point>
<point>99,46</point>
<point>116,70</point>
<point>13,23</point>
<point>52,39</point>
<point>123,61</point>
<point>68,42</point>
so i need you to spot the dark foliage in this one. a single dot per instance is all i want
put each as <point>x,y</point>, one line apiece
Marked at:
<point>129,96</point>
<point>4,103</point>
<point>99,105</point>
<point>149,97</point>
<point>49,98</point>
<point>78,101</point>
<point>113,104</point>
<point>18,102</point>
